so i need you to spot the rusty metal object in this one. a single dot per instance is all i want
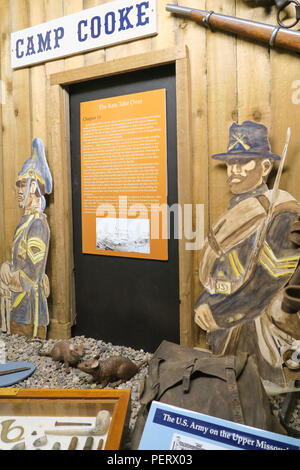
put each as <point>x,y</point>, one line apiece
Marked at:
<point>73,443</point>
<point>89,443</point>
<point>61,423</point>
<point>100,444</point>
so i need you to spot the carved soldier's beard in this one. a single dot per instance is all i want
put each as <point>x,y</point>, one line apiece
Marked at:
<point>250,180</point>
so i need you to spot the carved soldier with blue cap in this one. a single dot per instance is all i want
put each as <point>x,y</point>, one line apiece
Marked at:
<point>243,272</point>
<point>24,284</point>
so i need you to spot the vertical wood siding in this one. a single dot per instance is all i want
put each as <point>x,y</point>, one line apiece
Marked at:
<point>231,79</point>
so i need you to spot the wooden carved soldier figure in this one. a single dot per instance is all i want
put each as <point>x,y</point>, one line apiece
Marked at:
<point>241,306</point>
<point>24,285</point>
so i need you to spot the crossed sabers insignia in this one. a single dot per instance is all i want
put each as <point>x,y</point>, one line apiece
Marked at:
<point>239,140</point>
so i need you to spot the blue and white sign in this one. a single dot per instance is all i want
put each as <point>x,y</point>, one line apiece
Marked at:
<point>94,28</point>
<point>172,428</point>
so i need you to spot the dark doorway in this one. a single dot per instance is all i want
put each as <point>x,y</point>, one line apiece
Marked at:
<point>126,301</point>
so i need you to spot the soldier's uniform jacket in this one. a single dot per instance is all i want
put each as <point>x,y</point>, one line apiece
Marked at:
<point>29,256</point>
<point>233,296</point>
<point>227,251</point>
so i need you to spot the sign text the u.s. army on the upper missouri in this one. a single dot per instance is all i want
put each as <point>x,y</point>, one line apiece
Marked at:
<point>94,28</point>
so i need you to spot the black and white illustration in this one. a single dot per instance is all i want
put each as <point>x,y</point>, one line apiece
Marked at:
<point>129,235</point>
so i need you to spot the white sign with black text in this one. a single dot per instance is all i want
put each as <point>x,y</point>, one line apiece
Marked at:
<point>94,28</point>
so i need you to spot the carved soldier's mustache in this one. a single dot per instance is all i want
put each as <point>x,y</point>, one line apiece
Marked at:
<point>235,177</point>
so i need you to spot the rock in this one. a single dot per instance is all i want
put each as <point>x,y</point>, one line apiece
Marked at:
<point>41,441</point>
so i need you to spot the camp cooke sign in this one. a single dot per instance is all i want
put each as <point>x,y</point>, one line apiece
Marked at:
<point>97,27</point>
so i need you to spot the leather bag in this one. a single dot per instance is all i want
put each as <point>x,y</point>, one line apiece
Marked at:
<point>227,387</point>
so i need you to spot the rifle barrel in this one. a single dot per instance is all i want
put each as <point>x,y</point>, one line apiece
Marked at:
<point>253,30</point>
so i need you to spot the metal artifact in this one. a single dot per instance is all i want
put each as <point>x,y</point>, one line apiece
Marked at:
<point>61,423</point>
<point>73,443</point>
<point>14,371</point>
<point>101,427</point>
<point>274,36</point>
<point>100,444</point>
<point>281,5</point>
<point>89,443</point>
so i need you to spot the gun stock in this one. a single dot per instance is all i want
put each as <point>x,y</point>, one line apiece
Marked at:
<point>274,36</point>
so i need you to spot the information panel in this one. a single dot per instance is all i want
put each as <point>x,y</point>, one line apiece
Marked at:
<point>124,176</point>
<point>171,428</point>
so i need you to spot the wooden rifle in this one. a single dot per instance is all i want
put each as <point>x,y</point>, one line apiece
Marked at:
<point>274,36</point>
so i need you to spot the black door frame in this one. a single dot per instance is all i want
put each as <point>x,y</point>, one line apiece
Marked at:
<point>60,82</point>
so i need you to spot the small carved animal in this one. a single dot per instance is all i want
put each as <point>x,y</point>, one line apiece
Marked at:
<point>66,352</point>
<point>116,369</point>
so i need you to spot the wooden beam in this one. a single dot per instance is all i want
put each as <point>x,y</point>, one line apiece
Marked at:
<point>185,196</point>
<point>114,67</point>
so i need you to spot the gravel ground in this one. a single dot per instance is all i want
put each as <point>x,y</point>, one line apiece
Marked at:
<point>47,375</point>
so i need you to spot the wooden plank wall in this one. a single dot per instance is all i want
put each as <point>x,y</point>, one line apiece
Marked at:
<point>231,79</point>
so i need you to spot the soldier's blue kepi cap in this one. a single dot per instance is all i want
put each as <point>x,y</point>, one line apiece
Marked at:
<point>247,141</point>
<point>36,168</point>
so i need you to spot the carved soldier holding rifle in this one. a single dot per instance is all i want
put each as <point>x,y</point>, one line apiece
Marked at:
<point>248,258</point>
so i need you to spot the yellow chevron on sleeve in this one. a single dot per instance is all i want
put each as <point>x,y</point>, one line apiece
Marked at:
<point>36,242</point>
<point>270,252</point>
<point>277,267</point>
<point>36,249</point>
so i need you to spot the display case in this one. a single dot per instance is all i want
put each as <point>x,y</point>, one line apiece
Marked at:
<point>62,419</point>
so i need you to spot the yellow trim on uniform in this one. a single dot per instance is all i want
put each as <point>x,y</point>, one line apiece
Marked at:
<point>36,316</point>
<point>24,275</point>
<point>234,266</point>
<point>30,174</point>
<point>238,263</point>
<point>20,229</point>
<point>19,300</point>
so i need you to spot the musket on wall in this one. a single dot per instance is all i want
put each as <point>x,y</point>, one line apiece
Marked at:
<point>274,36</point>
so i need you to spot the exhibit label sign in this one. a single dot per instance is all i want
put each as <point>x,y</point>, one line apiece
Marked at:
<point>94,28</point>
<point>124,176</point>
<point>171,428</point>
